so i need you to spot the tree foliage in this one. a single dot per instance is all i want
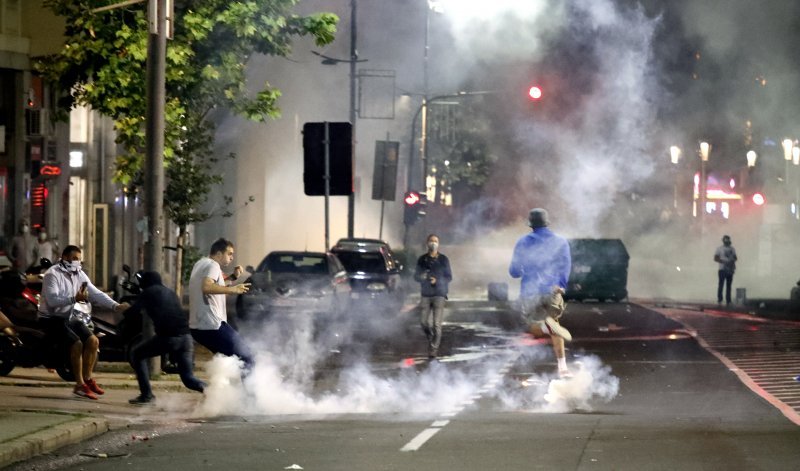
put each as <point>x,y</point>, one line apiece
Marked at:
<point>103,65</point>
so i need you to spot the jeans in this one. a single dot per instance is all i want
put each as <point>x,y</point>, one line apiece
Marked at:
<point>226,341</point>
<point>725,276</point>
<point>182,351</point>
<point>431,316</point>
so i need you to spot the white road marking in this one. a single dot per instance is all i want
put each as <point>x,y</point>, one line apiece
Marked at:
<point>420,439</point>
<point>440,423</point>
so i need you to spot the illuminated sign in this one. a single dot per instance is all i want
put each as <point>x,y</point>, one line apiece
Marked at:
<point>50,170</point>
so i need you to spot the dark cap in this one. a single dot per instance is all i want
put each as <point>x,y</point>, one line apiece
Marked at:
<point>150,278</point>
<point>538,217</point>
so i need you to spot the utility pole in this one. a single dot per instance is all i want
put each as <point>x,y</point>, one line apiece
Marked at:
<point>351,198</point>
<point>154,150</point>
<point>154,134</point>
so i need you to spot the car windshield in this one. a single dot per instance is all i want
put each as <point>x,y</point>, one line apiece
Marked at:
<point>295,263</point>
<point>370,262</point>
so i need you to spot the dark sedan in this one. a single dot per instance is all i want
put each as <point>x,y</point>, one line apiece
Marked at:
<point>287,283</point>
<point>373,269</point>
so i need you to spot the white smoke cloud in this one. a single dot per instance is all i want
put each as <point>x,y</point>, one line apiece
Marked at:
<point>592,383</point>
<point>289,384</point>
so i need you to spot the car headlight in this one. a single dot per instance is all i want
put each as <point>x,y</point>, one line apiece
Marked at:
<point>376,287</point>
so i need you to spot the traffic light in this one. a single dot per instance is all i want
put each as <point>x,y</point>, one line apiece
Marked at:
<point>534,93</point>
<point>415,204</point>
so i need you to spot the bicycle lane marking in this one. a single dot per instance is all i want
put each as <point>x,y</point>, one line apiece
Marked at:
<point>743,376</point>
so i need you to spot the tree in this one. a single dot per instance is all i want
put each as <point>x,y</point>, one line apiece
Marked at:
<point>460,147</point>
<point>102,65</point>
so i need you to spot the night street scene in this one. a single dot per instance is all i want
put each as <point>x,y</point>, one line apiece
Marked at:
<point>399,235</point>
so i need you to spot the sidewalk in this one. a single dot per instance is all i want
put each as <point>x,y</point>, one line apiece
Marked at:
<point>39,413</point>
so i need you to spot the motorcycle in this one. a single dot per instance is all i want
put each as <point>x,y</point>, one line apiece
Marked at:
<point>22,341</point>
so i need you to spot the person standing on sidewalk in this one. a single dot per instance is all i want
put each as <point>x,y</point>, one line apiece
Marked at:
<point>172,335</point>
<point>543,261</point>
<point>23,251</point>
<point>434,276</point>
<point>65,286</point>
<point>725,255</point>
<point>208,316</point>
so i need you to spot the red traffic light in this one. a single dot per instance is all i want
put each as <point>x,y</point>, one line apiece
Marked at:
<point>534,92</point>
<point>759,199</point>
<point>411,198</point>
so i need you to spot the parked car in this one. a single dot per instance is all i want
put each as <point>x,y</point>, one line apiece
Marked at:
<point>373,269</point>
<point>288,283</point>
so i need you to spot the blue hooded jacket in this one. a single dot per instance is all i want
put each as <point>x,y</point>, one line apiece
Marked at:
<point>542,259</point>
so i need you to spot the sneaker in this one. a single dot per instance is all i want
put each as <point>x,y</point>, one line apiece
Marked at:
<point>94,386</point>
<point>84,391</point>
<point>554,328</point>
<point>141,400</point>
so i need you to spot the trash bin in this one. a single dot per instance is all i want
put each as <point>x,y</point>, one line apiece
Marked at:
<point>741,296</point>
<point>599,270</point>
<point>498,291</point>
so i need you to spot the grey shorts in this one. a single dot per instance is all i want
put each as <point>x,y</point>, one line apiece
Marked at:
<point>538,308</point>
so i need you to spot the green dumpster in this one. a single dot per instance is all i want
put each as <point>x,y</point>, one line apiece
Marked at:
<point>599,270</point>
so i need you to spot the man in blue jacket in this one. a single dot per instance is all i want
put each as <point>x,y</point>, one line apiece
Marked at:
<point>172,335</point>
<point>542,259</point>
<point>434,276</point>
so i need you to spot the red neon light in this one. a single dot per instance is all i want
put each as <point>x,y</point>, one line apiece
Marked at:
<point>50,170</point>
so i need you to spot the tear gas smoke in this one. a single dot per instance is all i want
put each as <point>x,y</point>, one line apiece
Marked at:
<point>592,383</point>
<point>283,383</point>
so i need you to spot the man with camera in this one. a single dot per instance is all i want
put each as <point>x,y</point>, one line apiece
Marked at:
<point>434,275</point>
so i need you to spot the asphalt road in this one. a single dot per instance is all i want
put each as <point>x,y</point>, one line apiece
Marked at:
<point>649,392</point>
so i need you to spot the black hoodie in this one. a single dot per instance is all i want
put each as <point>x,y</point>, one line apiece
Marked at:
<point>162,305</point>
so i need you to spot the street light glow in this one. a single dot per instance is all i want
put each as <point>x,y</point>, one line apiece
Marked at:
<point>535,92</point>
<point>704,148</point>
<point>751,158</point>
<point>787,149</point>
<point>675,154</point>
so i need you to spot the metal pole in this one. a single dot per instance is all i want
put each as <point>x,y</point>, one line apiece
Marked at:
<point>327,144</point>
<point>351,198</point>
<point>154,156</point>
<point>426,91</point>
<point>154,135</point>
<point>383,181</point>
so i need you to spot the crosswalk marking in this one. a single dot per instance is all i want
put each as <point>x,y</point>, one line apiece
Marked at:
<point>765,355</point>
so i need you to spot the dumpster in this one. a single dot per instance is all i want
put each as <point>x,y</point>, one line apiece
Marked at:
<point>599,270</point>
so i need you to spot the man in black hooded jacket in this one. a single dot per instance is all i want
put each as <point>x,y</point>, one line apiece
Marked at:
<point>172,336</point>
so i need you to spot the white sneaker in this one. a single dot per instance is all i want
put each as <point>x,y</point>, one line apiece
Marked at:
<point>554,328</point>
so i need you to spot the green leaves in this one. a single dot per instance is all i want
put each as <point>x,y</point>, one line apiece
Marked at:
<point>103,65</point>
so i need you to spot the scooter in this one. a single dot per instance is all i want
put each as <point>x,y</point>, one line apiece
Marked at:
<point>22,342</point>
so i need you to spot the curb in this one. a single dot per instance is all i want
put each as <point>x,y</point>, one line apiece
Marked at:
<point>52,438</point>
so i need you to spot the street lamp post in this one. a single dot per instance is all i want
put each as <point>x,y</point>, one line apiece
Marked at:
<point>705,148</point>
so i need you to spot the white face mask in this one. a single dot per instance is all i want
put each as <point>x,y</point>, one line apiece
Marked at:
<point>43,236</point>
<point>432,246</point>
<point>73,266</point>
<point>25,229</point>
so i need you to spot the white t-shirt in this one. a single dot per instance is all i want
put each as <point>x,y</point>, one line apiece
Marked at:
<point>206,311</point>
<point>727,257</point>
